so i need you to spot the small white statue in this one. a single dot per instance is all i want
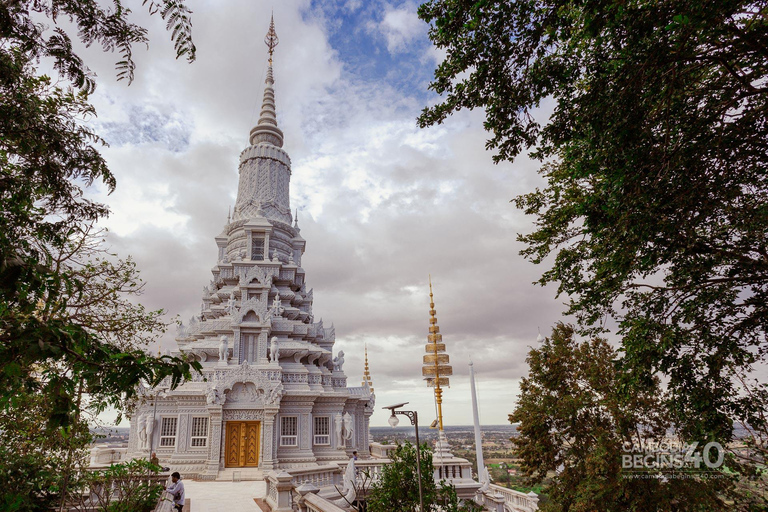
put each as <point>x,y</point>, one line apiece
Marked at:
<point>231,308</point>
<point>242,254</point>
<point>223,348</point>
<point>348,426</point>
<point>274,350</point>
<point>214,397</point>
<point>337,427</point>
<point>274,256</point>
<point>338,361</point>
<point>181,330</point>
<point>141,430</point>
<point>150,430</point>
<point>290,257</point>
<point>350,479</point>
<point>277,307</point>
<point>275,394</point>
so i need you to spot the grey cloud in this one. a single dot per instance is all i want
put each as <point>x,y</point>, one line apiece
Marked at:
<point>382,204</point>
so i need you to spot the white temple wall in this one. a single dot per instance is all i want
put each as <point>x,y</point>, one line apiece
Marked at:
<point>300,453</point>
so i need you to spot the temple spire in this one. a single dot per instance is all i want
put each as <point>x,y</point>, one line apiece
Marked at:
<point>266,130</point>
<point>366,373</point>
<point>436,369</point>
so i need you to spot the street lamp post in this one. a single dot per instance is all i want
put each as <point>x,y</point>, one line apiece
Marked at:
<point>414,417</point>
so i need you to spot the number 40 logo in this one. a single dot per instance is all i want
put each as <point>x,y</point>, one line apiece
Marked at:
<point>706,455</point>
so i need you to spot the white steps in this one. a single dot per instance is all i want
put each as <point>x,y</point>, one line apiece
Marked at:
<point>239,475</point>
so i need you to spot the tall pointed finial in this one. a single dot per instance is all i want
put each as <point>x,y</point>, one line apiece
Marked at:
<point>436,368</point>
<point>266,130</point>
<point>296,219</point>
<point>229,211</point>
<point>271,39</point>
<point>366,373</point>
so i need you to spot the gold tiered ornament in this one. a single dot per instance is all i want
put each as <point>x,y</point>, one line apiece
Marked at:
<point>367,374</point>
<point>436,369</point>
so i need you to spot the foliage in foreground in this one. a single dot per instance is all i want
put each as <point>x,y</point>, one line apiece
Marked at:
<point>132,489</point>
<point>72,342</point>
<point>575,421</point>
<point>397,489</point>
<point>655,211</point>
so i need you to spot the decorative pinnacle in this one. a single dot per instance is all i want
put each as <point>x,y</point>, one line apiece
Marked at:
<point>436,369</point>
<point>266,130</point>
<point>366,373</point>
<point>271,39</point>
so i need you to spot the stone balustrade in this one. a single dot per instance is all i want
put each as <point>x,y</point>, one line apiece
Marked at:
<point>300,486</point>
<point>311,502</point>
<point>107,454</point>
<point>513,501</point>
<point>321,476</point>
<point>381,451</point>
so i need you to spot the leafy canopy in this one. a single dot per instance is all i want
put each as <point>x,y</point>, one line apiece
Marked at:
<point>397,489</point>
<point>655,156</point>
<point>50,343</point>
<point>574,423</point>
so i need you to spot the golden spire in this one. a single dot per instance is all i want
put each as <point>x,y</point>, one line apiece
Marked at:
<point>271,39</point>
<point>436,368</point>
<point>366,373</point>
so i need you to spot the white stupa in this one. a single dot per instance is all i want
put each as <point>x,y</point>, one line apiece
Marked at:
<point>272,394</point>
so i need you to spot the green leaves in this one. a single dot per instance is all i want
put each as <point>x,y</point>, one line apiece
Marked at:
<point>655,159</point>
<point>397,489</point>
<point>72,340</point>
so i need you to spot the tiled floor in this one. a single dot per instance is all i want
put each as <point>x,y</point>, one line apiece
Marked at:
<point>224,496</point>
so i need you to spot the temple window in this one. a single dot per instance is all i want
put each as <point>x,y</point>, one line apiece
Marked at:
<point>168,432</point>
<point>199,431</point>
<point>322,430</point>
<point>289,431</point>
<point>257,247</point>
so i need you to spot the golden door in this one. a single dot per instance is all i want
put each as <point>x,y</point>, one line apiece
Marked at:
<point>242,444</point>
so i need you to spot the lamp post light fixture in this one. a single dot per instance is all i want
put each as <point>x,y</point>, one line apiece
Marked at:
<point>414,417</point>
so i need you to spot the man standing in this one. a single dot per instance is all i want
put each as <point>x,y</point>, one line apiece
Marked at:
<point>177,491</point>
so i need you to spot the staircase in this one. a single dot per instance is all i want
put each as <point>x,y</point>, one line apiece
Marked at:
<point>239,475</point>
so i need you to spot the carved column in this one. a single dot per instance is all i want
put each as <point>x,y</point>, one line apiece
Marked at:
<point>214,441</point>
<point>182,433</point>
<point>268,449</point>
<point>366,446</point>
<point>262,344</point>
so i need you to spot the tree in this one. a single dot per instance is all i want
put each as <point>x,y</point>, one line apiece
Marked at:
<point>64,318</point>
<point>397,489</point>
<point>573,421</point>
<point>656,204</point>
<point>47,155</point>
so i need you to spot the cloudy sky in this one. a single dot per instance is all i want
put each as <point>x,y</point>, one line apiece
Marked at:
<point>381,203</point>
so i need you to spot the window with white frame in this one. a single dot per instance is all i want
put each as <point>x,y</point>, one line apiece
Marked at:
<point>289,431</point>
<point>199,431</point>
<point>168,432</point>
<point>322,430</point>
<point>257,247</point>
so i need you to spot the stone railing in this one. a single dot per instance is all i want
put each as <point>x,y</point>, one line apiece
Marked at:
<point>107,454</point>
<point>164,503</point>
<point>501,499</point>
<point>381,451</point>
<point>372,466</point>
<point>321,476</point>
<point>311,502</point>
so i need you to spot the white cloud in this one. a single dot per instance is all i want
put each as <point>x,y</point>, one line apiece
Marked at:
<point>400,27</point>
<point>382,203</point>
